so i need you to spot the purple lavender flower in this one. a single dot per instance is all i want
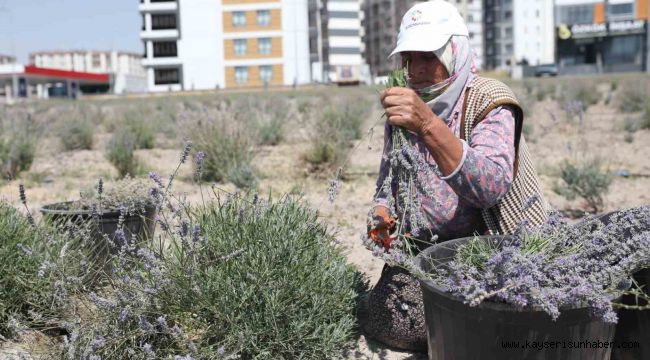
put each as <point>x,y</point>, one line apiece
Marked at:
<point>196,233</point>
<point>157,179</point>
<point>186,151</point>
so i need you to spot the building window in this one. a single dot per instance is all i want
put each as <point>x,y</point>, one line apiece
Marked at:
<point>266,73</point>
<point>263,17</point>
<point>163,21</point>
<point>240,47</point>
<point>97,61</point>
<point>238,18</point>
<point>241,74</point>
<point>164,49</point>
<point>621,10</point>
<point>264,46</point>
<point>166,76</point>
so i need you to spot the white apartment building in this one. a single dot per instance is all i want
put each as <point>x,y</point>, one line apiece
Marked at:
<point>518,31</point>
<point>534,32</point>
<point>208,44</point>
<point>125,68</point>
<point>7,59</point>
<point>472,13</point>
<point>344,40</point>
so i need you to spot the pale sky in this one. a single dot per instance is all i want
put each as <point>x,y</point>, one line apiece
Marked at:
<point>45,25</point>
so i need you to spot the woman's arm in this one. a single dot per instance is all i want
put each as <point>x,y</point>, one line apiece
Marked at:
<point>485,173</point>
<point>480,172</point>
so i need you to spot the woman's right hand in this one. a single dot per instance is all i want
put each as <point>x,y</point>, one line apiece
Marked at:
<point>380,225</point>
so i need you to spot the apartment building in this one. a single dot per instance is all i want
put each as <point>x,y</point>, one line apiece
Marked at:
<point>207,44</point>
<point>518,32</point>
<point>596,36</point>
<point>7,59</point>
<point>381,23</point>
<point>125,68</point>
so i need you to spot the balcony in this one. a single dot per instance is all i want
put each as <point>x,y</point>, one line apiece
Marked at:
<point>171,34</point>
<point>166,6</point>
<point>163,61</point>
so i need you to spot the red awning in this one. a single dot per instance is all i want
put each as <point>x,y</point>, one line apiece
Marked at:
<point>66,75</point>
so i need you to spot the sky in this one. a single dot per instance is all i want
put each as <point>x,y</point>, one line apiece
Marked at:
<point>44,25</point>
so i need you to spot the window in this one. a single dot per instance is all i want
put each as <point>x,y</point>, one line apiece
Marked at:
<point>166,76</point>
<point>163,21</point>
<point>266,73</point>
<point>240,47</point>
<point>620,11</point>
<point>97,61</point>
<point>238,18</point>
<point>263,17</point>
<point>264,46</point>
<point>241,74</point>
<point>164,49</point>
<point>155,1</point>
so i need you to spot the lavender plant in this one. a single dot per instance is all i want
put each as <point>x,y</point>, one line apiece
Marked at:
<point>227,140</point>
<point>41,268</point>
<point>77,131</point>
<point>18,144</point>
<point>236,278</point>
<point>586,179</point>
<point>121,152</point>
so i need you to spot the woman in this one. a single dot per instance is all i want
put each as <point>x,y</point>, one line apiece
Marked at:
<point>480,179</point>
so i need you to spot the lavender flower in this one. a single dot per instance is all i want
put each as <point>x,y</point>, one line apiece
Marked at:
<point>186,151</point>
<point>25,249</point>
<point>157,179</point>
<point>23,197</point>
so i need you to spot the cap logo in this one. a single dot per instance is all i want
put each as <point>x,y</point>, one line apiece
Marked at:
<point>416,16</point>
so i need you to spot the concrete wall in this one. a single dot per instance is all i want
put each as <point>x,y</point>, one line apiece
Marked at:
<point>295,33</point>
<point>201,44</point>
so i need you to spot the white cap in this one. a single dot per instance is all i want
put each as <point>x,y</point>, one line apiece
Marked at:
<point>427,26</point>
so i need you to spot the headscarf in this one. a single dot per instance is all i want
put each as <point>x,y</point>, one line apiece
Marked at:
<point>457,56</point>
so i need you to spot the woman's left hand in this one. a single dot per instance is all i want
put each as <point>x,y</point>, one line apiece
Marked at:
<point>404,108</point>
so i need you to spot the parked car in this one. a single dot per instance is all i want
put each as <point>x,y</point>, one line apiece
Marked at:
<point>546,70</point>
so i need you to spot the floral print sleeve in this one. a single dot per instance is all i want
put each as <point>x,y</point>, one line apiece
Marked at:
<point>485,173</point>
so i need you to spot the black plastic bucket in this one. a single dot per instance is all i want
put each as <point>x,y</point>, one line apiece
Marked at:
<point>498,331</point>
<point>138,228</point>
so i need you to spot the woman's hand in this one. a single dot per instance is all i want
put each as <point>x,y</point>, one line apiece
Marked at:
<point>404,108</point>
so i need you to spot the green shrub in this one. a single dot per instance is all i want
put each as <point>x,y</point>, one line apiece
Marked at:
<point>17,149</point>
<point>585,179</point>
<point>121,152</point>
<point>586,94</point>
<point>77,132</point>
<point>633,96</point>
<point>272,283</point>
<point>334,132</point>
<point>645,118</point>
<point>33,259</point>
<point>228,147</point>
<point>272,116</point>
<point>244,278</point>
<point>136,122</point>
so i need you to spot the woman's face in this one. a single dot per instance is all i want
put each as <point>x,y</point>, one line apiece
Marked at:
<point>424,68</point>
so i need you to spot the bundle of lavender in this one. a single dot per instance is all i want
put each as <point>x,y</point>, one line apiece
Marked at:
<point>406,162</point>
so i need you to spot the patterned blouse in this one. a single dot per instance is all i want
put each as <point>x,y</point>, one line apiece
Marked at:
<point>483,176</point>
